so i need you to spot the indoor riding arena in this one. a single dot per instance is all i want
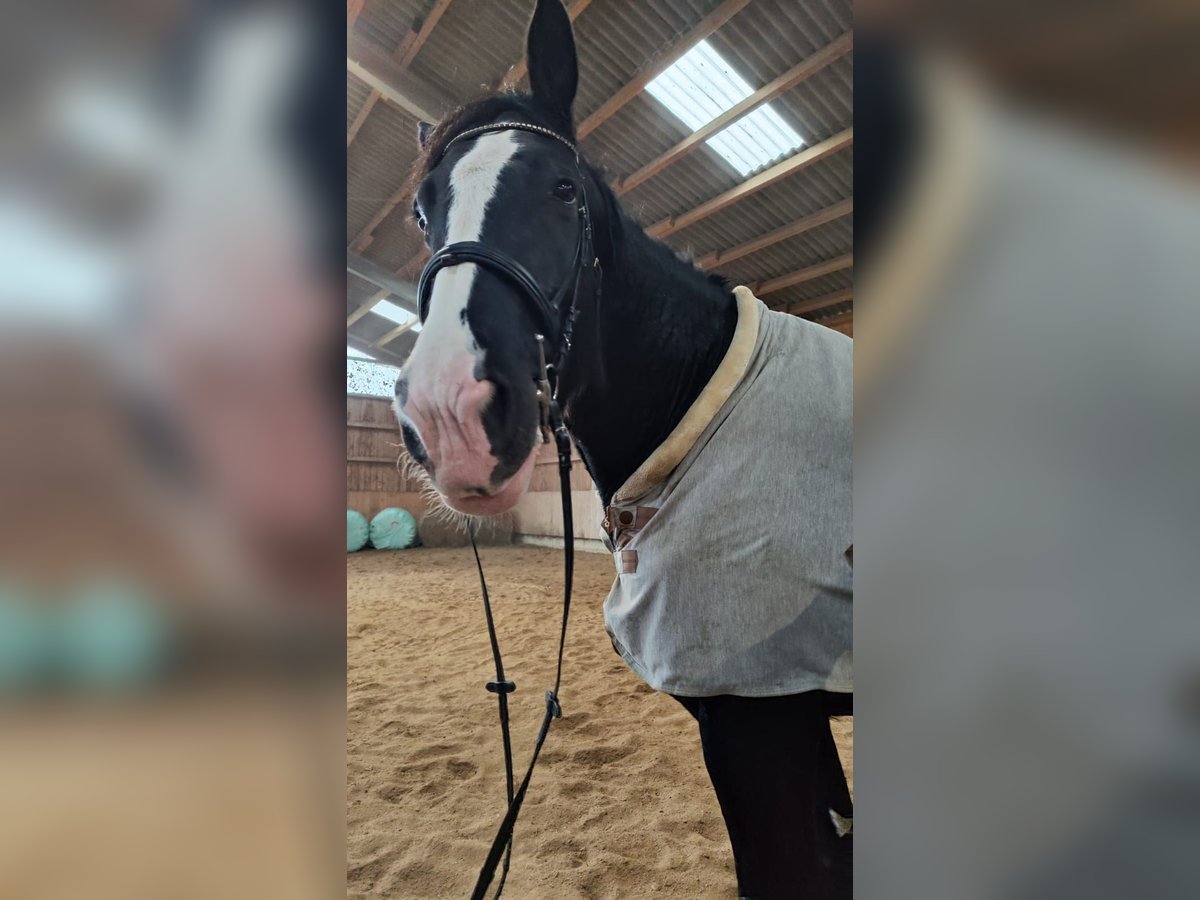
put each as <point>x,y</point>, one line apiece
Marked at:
<point>725,128</point>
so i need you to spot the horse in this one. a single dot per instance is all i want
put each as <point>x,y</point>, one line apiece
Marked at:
<point>717,433</point>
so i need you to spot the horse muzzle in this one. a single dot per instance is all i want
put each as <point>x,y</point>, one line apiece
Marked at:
<point>442,416</point>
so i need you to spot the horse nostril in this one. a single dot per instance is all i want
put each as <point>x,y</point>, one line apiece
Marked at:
<point>416,449</point>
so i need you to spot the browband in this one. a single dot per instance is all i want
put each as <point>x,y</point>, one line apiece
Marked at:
<point>505,126</point>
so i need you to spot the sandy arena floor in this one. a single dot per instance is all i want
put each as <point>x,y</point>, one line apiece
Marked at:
<point>620,804</point>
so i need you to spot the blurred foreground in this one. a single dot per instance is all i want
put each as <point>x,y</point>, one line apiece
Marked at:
<point>1027,442</point>
<point>171,578</point>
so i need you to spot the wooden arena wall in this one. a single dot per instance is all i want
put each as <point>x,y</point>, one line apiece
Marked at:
<point>374,479</point>
<point>539,513</point>
<point>375,482</point>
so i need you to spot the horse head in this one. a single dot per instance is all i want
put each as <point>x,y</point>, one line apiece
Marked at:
<point>467,397</point>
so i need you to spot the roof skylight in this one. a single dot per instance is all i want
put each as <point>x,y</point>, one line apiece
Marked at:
<point>700,86</point>
<point>390,310</point>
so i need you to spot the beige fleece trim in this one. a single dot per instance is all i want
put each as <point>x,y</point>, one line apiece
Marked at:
<point>729,373</point>
<point>931,224</point>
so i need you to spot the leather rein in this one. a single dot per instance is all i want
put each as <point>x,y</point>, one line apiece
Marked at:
<point>555,319</point>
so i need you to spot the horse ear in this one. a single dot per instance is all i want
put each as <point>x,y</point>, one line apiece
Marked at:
<point>424,130</point>
<point>550,53</point>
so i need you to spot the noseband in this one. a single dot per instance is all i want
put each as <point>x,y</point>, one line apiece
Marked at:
<point>554,317</point>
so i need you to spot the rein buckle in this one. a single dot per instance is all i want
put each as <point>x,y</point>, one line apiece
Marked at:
<point>543,392</point>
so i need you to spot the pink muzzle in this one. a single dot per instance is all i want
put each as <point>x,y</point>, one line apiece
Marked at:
<point>445,405</point>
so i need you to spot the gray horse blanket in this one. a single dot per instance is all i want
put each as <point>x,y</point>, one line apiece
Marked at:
<point>731,540</point>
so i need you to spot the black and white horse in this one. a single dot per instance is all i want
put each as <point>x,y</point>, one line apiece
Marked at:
<point>660,333</point>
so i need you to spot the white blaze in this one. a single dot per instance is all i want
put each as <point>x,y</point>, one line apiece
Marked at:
<point>473,182</point>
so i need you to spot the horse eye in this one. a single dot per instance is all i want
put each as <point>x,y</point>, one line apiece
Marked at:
<point>421,223</point>
<point>565,191</point>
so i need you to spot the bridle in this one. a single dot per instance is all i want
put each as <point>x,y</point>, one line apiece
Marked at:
<point>554,319</point>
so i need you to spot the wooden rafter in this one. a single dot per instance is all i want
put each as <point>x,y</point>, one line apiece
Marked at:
<point>820,217</point>
<point>403,57</point>
<point>754,184</point>
<point>397,84</point>
<point>803,307</point>
<point>361,118</point>
<point>375,96</point>
<point>395,333</point>
<point>364,236</point>
<point>430,23</point>
<point>762,288</point>
<point>788,80</point>
<point>366,306</point>
<point>406,293</point>
<point>670,225</point>
<point>668,58</point>
<point>840,322</point>
<point>381,354</point>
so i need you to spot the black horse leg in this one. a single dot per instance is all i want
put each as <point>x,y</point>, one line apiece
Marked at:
<point>778,779</point>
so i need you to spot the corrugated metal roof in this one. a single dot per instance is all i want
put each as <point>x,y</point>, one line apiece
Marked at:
<point>356,95</point>
<point>386,23</point>
<point>472,47</point>
<point>378,162</point>
<point>357,291</point>
<point>818,187</point>
<point>477,41</point>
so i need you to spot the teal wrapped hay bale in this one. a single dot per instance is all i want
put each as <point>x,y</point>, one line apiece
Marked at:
<point>393,529</point>
<point>113,636</point>
<point>25,639</point>
<point>357,530</point>
<point>440,528</point>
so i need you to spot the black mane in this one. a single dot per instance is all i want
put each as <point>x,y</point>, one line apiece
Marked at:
<point>480,112</point>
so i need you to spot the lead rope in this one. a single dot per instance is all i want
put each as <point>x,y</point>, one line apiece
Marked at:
<point>502,687</point>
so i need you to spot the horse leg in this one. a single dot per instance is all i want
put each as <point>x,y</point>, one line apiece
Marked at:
<point>782,791</point>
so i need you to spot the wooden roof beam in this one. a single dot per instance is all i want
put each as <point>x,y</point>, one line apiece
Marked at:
<point>788,80</point>
<point>406,294</point>
<point>754,184</point>
<point>800,276</point>
<point>411,93</point>
<point>381,354</point>
<point>804,307</point>
<point>366,306</point>
<point>838,322</point>
<point>395,333</point>
<point>425,102</point>
<point>792,229</point>
<point>427,26</point>
<point>361,118</point>
<point>374,97</point>
<point>366,233</point>
<point>405,54</point>
<point>656,67</point>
